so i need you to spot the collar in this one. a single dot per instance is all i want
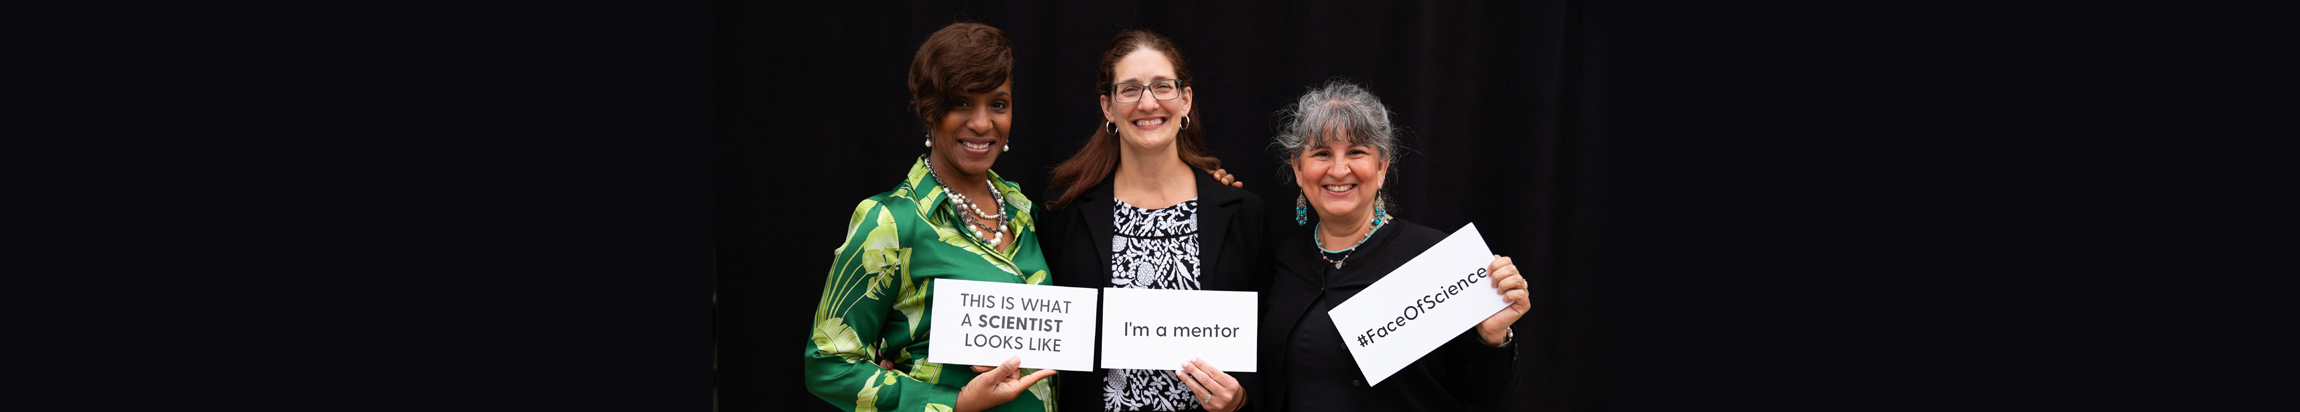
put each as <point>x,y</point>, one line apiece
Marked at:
<point>920,187</point>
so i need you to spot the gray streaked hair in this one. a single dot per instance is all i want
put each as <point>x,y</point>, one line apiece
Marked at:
<point>1338,104</point>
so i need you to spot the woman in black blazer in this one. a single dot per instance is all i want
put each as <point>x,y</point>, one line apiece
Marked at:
<point>1339,143</point>
<point>1133,210</point>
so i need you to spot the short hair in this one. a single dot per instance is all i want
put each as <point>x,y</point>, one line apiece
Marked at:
<point>961,58</point>
<point>1338,104</point>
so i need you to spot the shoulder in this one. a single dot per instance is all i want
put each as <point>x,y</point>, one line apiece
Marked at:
<point>1296,253</point>
<point>881,209</point>
<point>1213,192</point>
<point>1099,189</point>
<point>1416,235</point>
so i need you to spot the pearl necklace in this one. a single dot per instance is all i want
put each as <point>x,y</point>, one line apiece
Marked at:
<point>967,211</point>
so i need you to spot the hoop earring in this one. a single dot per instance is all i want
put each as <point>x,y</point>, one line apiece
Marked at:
<point>1185,122</point>
<point>1113,128</point>
<point>930,140</point>
<point>1301,210</point>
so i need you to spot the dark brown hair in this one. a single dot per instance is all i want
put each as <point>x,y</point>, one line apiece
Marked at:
<point>961,58</point>
<point>1099,157</point>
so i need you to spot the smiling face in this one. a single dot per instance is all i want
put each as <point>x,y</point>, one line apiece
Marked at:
<point>970,136</point>
<point>1340,178</point>
<point>1148,123</point>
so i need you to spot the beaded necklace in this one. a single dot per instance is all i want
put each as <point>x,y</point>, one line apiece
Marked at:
<point>1379,220</point>
<point>968,212</point>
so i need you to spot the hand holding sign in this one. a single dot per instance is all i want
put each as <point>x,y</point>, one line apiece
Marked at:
<point>1430,300</point>
<point>1217,391</point>
<point>997,387</point>
<point>1507,282</point>
<point>982,323</point>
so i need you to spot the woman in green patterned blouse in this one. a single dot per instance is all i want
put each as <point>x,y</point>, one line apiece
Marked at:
<point>950,218</point>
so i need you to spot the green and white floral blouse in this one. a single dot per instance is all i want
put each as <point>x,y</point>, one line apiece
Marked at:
<point>875,303</point>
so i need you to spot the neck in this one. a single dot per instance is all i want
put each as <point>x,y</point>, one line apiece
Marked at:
<point>1346,229</point>
<point>953,179</point>
<point>1158,174</point>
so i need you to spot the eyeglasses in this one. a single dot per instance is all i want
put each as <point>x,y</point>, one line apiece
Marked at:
<point>1129,92</point>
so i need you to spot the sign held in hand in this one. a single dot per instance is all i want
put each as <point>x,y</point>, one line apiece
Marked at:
<point>983,323</point>
<point>1426,302</point>
<point>1159,329</point>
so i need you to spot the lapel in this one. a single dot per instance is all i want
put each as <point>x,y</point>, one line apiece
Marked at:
<point>1097,208</point>
<point>1216,205</point>
<point>932,201</point>
<point>1299,283</point>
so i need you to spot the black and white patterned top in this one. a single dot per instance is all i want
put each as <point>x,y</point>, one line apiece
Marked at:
<point>1152,249</point>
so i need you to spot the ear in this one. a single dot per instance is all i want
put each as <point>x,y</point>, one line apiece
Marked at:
<point>1381,174</point>
<point>1186,96</point>
<point>1105,109</point>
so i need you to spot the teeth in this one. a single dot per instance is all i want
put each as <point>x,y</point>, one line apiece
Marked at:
<point>974,145</point>
<point>1150,122</point>
<point>1340,188</point>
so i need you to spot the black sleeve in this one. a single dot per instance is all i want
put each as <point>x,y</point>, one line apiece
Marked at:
<point>1260,267</point>
<point>1481,375</point>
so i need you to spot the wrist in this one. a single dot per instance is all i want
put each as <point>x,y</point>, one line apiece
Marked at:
<point>1502,338</point>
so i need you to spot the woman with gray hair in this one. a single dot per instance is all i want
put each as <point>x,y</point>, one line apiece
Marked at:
<point>1339,141</point>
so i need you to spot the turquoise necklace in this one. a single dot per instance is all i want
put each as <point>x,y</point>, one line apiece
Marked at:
<point>1379,220</point>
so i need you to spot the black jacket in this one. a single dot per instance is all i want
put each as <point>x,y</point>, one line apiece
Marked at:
<point>1233,252</point>
<point>1463,374</point>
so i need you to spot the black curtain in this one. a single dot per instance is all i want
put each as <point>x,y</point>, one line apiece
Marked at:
<point>1502,103</point>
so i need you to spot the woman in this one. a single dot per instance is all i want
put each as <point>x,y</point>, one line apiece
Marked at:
<point>1339,142</point>
<point>951,218</point>
<point>1131,210</point>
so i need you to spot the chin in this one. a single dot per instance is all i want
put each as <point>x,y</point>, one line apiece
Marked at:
<point>1152,142</point>
<point>978,166</point>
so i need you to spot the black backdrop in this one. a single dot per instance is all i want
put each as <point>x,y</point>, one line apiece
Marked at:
<point>1502,103</point>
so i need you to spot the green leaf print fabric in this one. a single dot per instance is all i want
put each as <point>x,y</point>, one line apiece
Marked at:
<point>875,301</point>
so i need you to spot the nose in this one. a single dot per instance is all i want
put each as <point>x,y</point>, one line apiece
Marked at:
<point>1147,103</point>
<point>978,121</point>
<point>1339,169</point>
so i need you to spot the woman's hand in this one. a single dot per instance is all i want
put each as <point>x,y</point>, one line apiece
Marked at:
<point>998,386</point>
<point>1506,281</point>
<point>1217,392</point>
<point>1225,177</point>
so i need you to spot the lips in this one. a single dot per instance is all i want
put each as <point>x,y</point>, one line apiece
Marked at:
<point>1150,122</point>
<point>1339,189</point>
<point>976,146</point>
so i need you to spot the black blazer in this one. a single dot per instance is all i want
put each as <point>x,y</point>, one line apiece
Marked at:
<point>1463,374</point>
<point>1233,254</point>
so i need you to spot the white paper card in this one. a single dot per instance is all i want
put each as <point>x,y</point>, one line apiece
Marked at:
<point>1417,308</point>
<point>1159,329</point>
<point>983,323</point>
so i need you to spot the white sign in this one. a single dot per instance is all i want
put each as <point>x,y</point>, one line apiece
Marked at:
<point>983,323</point>
<point>1160,329</point>
<point>1411,311</point>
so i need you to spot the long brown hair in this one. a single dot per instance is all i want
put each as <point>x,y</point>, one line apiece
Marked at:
<point>1099,157</point>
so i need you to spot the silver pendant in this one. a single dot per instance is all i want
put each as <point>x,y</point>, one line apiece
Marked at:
<point>1337,265</point>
